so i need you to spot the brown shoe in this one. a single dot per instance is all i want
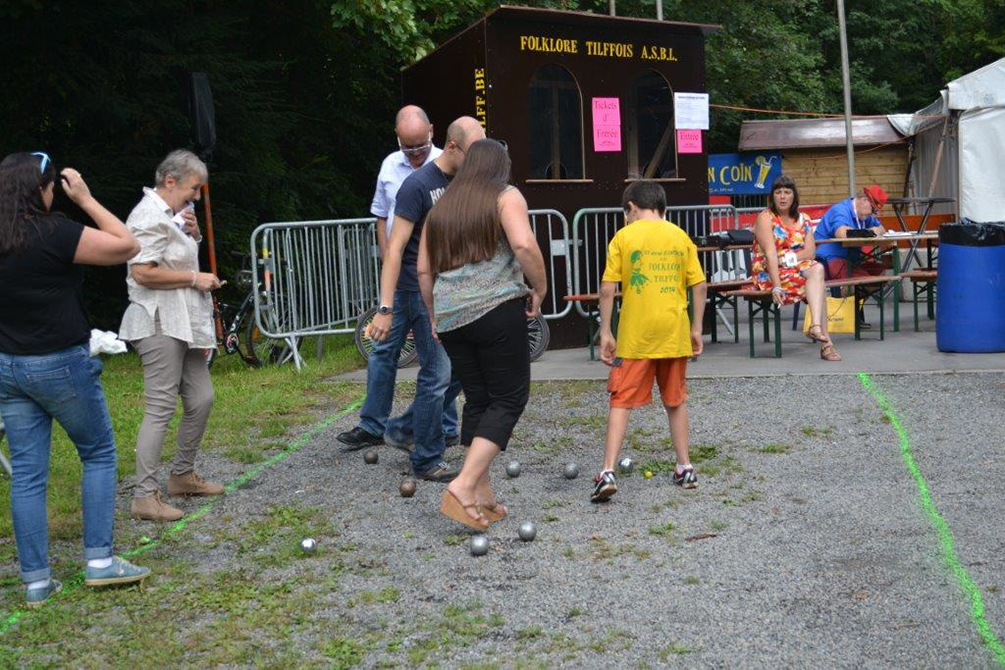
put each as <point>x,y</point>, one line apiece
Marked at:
<point>153,508</point>
<point>191,484</point>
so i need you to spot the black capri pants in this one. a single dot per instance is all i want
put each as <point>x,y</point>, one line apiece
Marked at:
<point>491,358</point>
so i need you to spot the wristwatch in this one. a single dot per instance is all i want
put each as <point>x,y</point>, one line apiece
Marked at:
<point>383,309</point>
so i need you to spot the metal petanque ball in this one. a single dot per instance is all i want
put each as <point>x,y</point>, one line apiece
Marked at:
<point>370,457</point>
<point>479,545</point>
<point>407,488</point>
<point>527,531</point>
<point>571,470</point>
<point>308,545</point>
<point>626,465</point>
<point>513,469</point>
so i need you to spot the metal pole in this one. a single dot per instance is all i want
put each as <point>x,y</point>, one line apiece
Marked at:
<point>613,2</point>
<point>846,80</point>
<point>659,10</point>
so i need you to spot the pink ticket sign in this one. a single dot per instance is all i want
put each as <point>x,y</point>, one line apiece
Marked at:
<point>689,141</point>
<point>606,124</point>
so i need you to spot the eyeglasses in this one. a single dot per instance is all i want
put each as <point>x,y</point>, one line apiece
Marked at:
<point>411,151</point>
<point>45,160</point>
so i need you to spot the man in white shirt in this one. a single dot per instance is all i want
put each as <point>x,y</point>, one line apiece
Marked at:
<point>415,149</point>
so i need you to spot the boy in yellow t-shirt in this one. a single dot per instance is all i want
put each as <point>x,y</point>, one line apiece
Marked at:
<point>655,262</point>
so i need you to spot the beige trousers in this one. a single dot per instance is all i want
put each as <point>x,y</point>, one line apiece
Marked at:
<point>170,368</point>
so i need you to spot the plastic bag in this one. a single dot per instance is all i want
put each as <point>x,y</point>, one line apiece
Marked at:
<point>106,342</point>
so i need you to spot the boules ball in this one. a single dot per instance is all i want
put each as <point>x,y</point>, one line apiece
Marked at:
<point>513,469</point>
<point>648,474</point>
<point>571,470</point>
<point>479,545</point>
<point>407,488</point>
<point>308,545</point>
<point>527,531</point>
<point>626,465</point>
<point>370,457</point>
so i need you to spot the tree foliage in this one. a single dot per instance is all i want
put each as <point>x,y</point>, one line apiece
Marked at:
<point>306,90</point>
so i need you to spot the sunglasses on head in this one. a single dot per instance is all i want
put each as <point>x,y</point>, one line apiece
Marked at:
<point>45,160</point>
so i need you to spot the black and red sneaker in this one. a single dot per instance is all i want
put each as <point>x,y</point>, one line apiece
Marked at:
<point>605,487</point>
<point>686,478</point>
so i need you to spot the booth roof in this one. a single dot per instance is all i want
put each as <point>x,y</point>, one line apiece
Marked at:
<point>814,133</point>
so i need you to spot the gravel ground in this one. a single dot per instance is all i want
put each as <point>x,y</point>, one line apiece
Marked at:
<point>804,545</point>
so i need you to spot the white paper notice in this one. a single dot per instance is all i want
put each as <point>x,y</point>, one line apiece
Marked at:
<point>690,111</point>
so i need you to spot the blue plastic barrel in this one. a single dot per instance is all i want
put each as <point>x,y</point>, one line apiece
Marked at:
<point>971,288</point>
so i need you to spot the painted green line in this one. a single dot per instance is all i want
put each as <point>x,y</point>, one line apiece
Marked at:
<point>942,530</point>
<point>78,580</point>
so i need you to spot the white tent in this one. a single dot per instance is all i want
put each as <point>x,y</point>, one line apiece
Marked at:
<point>959,144</point>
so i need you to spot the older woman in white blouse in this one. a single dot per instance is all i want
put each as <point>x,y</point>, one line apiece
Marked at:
<point>169,322</point>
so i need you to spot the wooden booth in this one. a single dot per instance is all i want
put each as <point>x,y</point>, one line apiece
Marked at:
<point>584,102</point>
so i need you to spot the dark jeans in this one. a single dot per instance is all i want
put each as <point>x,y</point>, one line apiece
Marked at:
<point>65,386</point>
<point>433,389</point>
<point>491,357</point>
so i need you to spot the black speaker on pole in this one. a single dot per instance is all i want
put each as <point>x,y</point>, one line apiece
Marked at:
<point>202,115</point>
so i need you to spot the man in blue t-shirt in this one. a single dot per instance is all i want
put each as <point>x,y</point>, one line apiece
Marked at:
<point>852,214</point>
<point>402,309</point>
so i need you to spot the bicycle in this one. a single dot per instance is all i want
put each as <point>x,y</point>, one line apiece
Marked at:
<point>237,331</point>
<point>538,337</point>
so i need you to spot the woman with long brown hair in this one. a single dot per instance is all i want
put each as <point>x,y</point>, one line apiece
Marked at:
<point>475,250</point>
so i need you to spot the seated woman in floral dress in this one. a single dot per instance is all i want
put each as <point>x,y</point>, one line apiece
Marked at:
<point>783,260</point>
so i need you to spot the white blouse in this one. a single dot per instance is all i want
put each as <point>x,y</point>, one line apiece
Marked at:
<point>182,313</point>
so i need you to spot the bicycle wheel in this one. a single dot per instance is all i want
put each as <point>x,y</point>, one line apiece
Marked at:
<point>262,350</point>
<point>364,344</point>
<point>538,336</point>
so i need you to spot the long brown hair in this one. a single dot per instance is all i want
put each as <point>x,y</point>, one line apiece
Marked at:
<point>463,226</point>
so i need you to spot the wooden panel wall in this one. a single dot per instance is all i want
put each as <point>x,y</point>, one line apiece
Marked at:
<point>822,174</point>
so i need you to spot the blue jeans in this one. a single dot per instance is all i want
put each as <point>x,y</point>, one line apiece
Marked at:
<point>65,386</point>
<point>425,420</point>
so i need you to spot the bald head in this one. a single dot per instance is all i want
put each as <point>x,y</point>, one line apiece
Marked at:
<point>465,131</point>
<point>414,131</point>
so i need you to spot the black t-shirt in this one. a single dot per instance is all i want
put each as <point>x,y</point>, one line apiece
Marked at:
<point>417,195</point>
<point>41,291</point>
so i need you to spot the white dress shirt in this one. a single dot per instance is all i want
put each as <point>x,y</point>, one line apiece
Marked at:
<point>394,170</point>
<point>186,313</point>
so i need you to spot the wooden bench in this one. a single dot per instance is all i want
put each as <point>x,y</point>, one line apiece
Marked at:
<point>760,303</point>
<point>922,280</point>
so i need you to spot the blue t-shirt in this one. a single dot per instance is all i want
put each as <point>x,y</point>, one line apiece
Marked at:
<point>417,195</point>
<point>841,214</point>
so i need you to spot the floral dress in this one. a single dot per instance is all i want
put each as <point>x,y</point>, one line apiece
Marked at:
<point>786,239</point>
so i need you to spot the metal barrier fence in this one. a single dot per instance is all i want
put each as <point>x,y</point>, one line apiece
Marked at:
<point>556,257</point>
<point>313,277</point>
<point>318,277</point>
<point>593,228</point>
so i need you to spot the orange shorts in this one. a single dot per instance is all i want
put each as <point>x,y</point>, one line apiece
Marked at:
<point>631,383</point>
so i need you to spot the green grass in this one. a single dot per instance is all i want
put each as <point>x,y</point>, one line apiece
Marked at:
<point>775,448</point>
<point>253,409</point>
<point>663,530</point>
<point>813,431</point>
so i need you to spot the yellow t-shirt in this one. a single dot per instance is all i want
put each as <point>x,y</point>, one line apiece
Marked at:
<point>656,262</point>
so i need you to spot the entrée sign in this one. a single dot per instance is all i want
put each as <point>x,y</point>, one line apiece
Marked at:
<point>561,45</point>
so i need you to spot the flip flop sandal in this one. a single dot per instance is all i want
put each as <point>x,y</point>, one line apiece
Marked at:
<point>452,508</point>
<point>829,353</point>
<point>495,513</point>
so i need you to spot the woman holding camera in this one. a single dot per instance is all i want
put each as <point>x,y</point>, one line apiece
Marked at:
<point>46,370</point>
<point>783,260</point>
